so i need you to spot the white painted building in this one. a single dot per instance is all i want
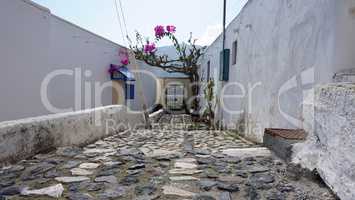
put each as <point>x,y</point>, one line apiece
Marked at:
<point>279,51</point>
<point>35,44</point>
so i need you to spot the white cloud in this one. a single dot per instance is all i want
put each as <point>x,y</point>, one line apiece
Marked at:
<point>211,33</point>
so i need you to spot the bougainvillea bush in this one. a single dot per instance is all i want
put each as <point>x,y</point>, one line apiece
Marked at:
<point>186,62</point>
<point>123,56</point>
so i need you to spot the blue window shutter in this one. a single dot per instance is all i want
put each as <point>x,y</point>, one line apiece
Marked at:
<point>125,91</point>
<point>224,65</point>
<point>129,90</point>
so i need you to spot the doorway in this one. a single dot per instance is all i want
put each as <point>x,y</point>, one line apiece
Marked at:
<point>175,97</point>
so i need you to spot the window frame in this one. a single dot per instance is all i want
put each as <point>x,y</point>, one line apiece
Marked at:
<point>208,70</point>
<point>235,52</point>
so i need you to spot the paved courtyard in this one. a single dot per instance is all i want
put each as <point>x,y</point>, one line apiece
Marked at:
<point>171,161</point>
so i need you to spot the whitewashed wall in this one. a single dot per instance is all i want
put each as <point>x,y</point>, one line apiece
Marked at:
<point>345,35</point>
<point>73,47</point>
<point>282,46</point>
<point>34,43</point>
<point>24,36</point>
<point>148,82</point>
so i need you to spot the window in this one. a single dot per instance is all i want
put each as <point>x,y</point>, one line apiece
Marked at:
<point>224,65</point>
<point>129,90</point>
<point>235,52</point>
<point>208,70</point>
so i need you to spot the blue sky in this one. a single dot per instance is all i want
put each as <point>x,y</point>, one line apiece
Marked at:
<point>201,17</point>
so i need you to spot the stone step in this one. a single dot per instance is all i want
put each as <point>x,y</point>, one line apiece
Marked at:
<point>280,141</point>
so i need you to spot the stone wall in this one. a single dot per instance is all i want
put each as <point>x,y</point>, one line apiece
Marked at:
<point>330,147</point>
<point>24,138</point>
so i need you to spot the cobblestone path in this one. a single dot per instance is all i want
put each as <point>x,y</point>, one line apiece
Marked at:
<point>165,163</point>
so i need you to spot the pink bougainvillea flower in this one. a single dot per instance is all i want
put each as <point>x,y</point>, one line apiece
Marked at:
<point>159,31</point>
<point>171,28</point>
<point>149,47</point>
<point>125,61</point>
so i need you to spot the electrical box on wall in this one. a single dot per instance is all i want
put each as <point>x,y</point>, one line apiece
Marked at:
<point>224,65</point>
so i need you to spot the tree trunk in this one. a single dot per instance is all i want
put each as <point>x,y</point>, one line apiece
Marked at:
<point>194,78</point>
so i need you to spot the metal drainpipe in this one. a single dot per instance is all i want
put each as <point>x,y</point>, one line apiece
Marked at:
<point>224,22</point>
<point>223,48</point>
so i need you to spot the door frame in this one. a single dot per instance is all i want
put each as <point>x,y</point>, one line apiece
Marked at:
<point>175,85</point>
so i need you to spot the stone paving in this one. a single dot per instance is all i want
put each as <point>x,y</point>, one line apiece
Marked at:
<point>169,162</point>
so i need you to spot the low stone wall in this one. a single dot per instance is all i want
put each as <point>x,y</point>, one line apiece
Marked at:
<point>330,148</point>
<point>24,138</point>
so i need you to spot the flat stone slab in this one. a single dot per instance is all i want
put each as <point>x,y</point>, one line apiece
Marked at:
<point>107,179</point>
<point>54,191</point>
<point>247,152</point>
<point>89,165</point>
<point>183,178</point>
<point>112,163</point>
<point>184,165</point>
<point>186,160</point>
<point>225,196</point>
<point>80,172</point>
<point>257,169</point>
<point>102,158</point>
<point>72,179</point>
<point>113,193</point>
<point>171,190</point>
<point>71,164</point>
<point>233,179</point>
<point>96,151</point>
<point>164,154</point>
<point>185,171</point>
